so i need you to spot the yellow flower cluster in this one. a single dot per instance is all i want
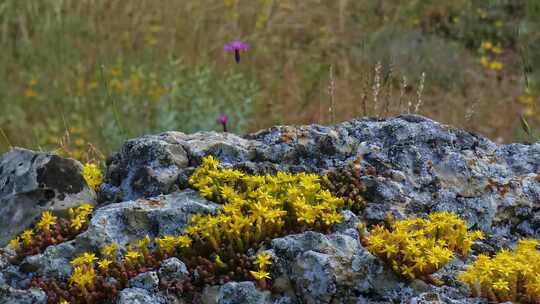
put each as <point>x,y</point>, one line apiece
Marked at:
<point>263,260</point>
<point>79,216</point>
<point>30,91</point>
<point>168,244</point>
<point>508,276</point>
<point>256,207</point>
<point>92,175</point>
<point>47,220</point>
<point>84,273</point>
<point>489,54</point>
<point>417,247</point>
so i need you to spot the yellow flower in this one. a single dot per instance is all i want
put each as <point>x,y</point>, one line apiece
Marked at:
<point>487,45</point>
<point>132,257</point>
<point>260,275</point>
<point>166,244</point>
<point>77,223</point>
<point>496,65</point>
<point>501,285</point>
<point>64,301</point>
<point>15,243</point>
<point>82,277</point>
<point>219,262</point>
<point>484,61</point>
<point>110,250</point>
<point>86,258</point>
<point>263,260</point>
<point>116,72</point>
<point>47,220</point>
<point>92,175</point>
<point>104,264</point>
<point>30,93</point>
<point>27,236</point>
<point>183,241</point>
<point>497,50</point>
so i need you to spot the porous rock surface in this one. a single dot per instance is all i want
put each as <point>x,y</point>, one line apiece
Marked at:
<point>32,182</point>
<point>417,166</point>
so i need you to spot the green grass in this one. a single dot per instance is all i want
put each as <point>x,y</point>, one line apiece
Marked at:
<point>85,75</point>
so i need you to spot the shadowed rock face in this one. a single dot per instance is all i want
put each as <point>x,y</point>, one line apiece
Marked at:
<point>418,166</point>
<point>31,183</point>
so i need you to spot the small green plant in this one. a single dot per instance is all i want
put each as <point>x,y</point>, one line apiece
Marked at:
<point>508,276</point>
<point>417,247</point>
<point>346,183</point>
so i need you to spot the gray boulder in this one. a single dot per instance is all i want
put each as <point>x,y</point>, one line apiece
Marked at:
<point>32,182</point>
<point>146,280</point>
<point>123,223</point>
<point>10,295</point>
<point>241,293</point>
<point>172,269</point>
<point>139,296</point>
<point>419,166</point>
<point>321,268</point>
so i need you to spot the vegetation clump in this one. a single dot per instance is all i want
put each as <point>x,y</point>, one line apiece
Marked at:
<point>417,247</point>
<point>51,230</point>
<point>508,276</point>
<point>214,247</point>
<point>92,175</point>
<point>347,184</point>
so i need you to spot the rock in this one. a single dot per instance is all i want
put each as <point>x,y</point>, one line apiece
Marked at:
<point>53,262</point>
<point>419,166</point>
<point>133,220</point>
<point>445,295</point>
<point>323,268</point>
<point>146,280</point>
<point>32,182</point>
<point>139,296</point>
<point>416,166</point>
<point>241,293</point>
<point>9,295</point>
<point>123,223</point>
<point>172,269</point>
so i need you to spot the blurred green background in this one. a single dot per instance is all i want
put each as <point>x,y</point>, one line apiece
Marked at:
<point>80,76</point>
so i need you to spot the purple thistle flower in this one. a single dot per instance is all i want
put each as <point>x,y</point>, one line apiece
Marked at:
<point>223,119</point>
<point>236,46</point>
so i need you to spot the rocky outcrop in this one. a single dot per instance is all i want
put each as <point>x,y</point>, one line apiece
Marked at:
<point>32,182</point>
<point>418,166</point>
<point>413,166</point>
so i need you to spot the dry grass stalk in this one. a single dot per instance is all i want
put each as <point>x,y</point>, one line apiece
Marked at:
<point>419,92</point>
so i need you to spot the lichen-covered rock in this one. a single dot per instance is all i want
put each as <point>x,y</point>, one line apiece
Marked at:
<point>172,269</point>
<point>241,293</point>
<point>122,223</point>
<point>139,296</point>
<point>414,166</point>
<point>31,182</point>
<point>419,166</point>
<point>152,165</point>
<point>322,268</point>
<point>10,295</point>
<point>147,280</point>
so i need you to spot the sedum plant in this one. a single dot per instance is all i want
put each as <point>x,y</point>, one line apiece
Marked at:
<point>51,230</point>
<point>92,175</point>
<point>214,247</point>
<point>508,276</point>
<point>418,247</point>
